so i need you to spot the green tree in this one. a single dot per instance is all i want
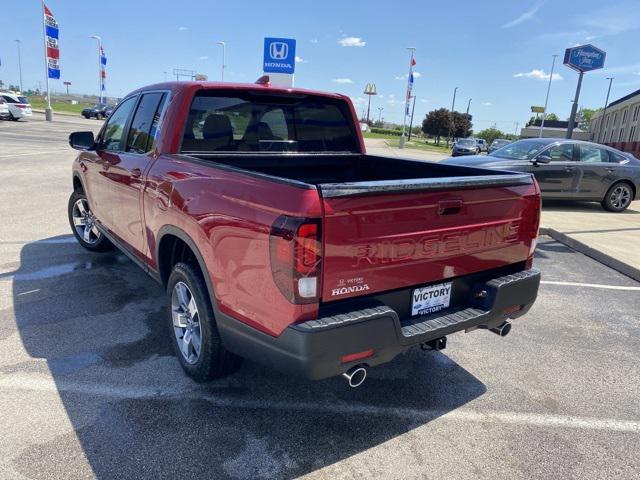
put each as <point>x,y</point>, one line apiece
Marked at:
<point>490,134</point>
<point>586,114</point>
<point>437,123</point>
<point>550,116</point>
<point>461,125</point>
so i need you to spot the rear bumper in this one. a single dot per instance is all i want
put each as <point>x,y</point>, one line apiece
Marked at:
<point>314,348</point>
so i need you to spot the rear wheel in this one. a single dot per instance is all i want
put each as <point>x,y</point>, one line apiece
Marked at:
<point>196,340</point>
<point>618,197</point>
<point>98,116</point>
<point>83,225</point>
<point>12,117</point>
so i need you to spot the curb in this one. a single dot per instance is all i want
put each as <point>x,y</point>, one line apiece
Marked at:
<point>591,252</point>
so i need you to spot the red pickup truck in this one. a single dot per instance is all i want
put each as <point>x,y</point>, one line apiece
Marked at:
<point>279,239</point>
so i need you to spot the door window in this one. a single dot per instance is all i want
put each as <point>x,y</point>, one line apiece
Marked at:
<point>145,123</point>
<point>560,153</point>
<point>113,132</point>
<point>591,154</point>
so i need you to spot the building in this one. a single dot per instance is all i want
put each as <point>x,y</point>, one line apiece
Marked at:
<point>620,127</point>
<point>552,129</point>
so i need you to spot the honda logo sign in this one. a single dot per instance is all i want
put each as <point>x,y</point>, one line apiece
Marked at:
<point>278,50</point>
<point>279,55</point>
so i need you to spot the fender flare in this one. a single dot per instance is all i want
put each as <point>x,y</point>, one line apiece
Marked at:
<point>79,177</point>
<point>182,235</point>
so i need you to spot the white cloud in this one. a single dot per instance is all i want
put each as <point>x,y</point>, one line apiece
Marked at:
<point>182,29</point>
<point>352,42</point>
<point>300,60</point>
<point>613,19</point>
<point>487,104</point>
<point>526,16</point>
<point>538,74</point>
<point>204,57</point>
<point>314,40</point>
<point>406,75</point>
<point>424,100</point>
<point>342,80</point>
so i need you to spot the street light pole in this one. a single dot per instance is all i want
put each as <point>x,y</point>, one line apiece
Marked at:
<point>453,105</point>
<point>468,105</point>
<point>19,64</point>
<point>604,112</point>
<point>380,114</point>
<point>546,100</point>
<point>99,40</point>
<point>224,58</point>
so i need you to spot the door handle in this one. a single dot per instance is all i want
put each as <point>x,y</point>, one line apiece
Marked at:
<point>136,173</point>
<point>569,169</point>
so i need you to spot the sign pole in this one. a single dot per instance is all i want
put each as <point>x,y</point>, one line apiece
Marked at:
<point>48,112</point>
<point>411,121</point>
<point>546,100</point>
<point>574,108</point>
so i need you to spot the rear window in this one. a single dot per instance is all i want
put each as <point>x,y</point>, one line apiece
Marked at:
<point>23,99</point>
<point>252,121</point>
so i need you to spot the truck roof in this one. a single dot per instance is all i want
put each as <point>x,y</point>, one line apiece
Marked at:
<point>188,86</point>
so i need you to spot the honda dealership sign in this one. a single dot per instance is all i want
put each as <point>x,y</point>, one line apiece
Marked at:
<point>279,55</point>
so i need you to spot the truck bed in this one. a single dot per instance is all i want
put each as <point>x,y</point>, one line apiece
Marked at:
<point>348,174</point>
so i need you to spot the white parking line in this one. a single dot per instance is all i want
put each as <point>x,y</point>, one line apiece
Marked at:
<point>592,285</point>
<point>28,383</point>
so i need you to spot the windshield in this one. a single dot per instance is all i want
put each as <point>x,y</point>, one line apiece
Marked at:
<point>520,150</point>
<point>466,143</point>
<point>252,121</point>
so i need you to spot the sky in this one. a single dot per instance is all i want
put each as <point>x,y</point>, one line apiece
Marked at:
<point>497,52</point>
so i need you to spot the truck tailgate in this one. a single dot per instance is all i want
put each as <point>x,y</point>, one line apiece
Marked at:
<point>382,236</point>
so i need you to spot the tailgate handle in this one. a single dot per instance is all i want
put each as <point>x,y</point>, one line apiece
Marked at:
<point>449,207</point>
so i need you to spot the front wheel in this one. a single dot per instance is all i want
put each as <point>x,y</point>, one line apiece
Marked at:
<point>618,197</point>
<point>83,225</point>
<point>193,327</point>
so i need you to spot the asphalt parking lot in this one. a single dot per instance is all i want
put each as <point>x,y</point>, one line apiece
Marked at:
<point>89,386</point>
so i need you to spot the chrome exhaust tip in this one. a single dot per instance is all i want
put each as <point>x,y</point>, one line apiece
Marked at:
<point>355,376</point>
<point>502,330</point>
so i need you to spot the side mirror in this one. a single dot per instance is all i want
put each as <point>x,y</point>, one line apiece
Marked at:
<point>544,159</point>
<point>82,141</point>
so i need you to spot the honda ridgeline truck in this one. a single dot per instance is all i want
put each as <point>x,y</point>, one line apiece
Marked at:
<point>279,239</point>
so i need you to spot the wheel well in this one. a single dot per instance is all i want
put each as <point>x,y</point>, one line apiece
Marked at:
<point>77,185</point>
<point>173,250</point>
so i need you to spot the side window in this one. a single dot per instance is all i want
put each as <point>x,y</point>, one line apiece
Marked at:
<point>593,154</point>
<point>273,125</point>
<point>114,129</point>
<point>560,153</point>
<point>145,123</point>
<point>617,158</point>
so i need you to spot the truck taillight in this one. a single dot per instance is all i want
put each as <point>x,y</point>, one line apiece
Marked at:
<point>535,226</point>
<point>296,252</point>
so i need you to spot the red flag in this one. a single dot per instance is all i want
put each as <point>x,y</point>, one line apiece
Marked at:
<point>413,61</point>
<point>47,11</point>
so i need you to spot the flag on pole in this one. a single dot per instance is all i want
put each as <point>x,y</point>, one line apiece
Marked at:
<point>409,86</point>
<point>413,61</point>
<point>103,69</point>
<point>53,49</point>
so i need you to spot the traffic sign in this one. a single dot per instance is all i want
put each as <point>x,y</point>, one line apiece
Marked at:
<point>279,55</point>
<point>584,58</point>
<point>535,109</point>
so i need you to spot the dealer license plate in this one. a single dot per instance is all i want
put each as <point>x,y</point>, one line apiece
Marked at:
<point>430,299</point>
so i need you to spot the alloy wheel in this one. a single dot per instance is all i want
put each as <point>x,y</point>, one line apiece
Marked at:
<point>620,197</point>
<point>84,222</point>
<point>186,322</point>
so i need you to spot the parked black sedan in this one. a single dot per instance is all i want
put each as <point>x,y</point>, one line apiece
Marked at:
<point>98,111</point>
<point>569,169</point>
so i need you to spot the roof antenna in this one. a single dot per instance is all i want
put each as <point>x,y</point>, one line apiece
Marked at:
<point>263,80</point>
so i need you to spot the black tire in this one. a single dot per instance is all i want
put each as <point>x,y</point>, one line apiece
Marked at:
<point>98,116</point>
<point>618,197</point>
<point>12,118</point>
<point>98,242</point>
<point>213,361</point>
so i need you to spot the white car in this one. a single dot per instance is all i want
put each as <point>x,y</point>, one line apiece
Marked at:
<point>19,106</point>
<point>4,109</point>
